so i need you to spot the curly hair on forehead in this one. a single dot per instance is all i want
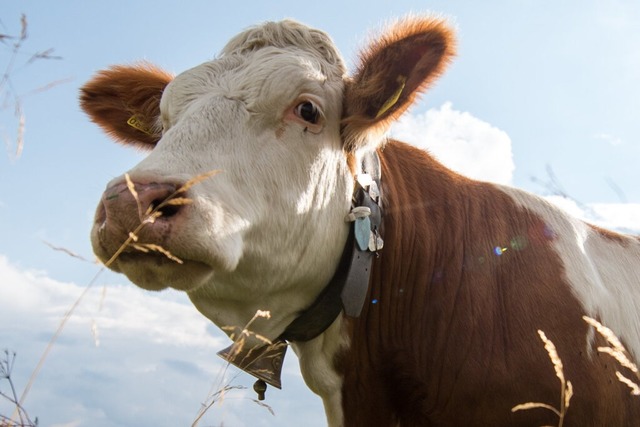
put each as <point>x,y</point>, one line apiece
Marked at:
<point>287,34</point>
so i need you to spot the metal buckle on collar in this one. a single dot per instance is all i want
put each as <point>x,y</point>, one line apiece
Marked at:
<point>366,214</point>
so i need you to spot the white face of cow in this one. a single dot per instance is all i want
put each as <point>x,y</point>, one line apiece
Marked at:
<point>269,122</point>
<point>272,219</point>
<point>267,231</point>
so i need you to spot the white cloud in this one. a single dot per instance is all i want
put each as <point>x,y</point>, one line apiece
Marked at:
<point>623,217</point>
<point>479,150</point>
<point>155,364</point>
<point>610,139</point>
<point>461,141</point>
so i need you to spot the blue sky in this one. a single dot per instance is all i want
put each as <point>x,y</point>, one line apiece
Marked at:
<point>535,84</point>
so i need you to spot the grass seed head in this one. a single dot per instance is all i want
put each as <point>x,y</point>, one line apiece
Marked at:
<point>195,180</point>
<point>635,388</point>
<point>553,355</point>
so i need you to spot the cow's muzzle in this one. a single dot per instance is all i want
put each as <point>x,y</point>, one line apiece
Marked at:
<point>137,217</point>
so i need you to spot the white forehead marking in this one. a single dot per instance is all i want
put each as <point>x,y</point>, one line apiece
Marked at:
<point>286,35</point>
<point>264,68</point>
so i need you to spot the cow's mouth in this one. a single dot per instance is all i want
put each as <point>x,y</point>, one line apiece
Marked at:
<point>156,271</point>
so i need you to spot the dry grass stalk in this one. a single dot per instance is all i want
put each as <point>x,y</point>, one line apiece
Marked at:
<point>149,218</point>
<point>21,129</point>
<point>179,201</point>
<point>635,389</point>
<point>193,181</point>
<point>132,189</point>
<point>66,251</point>
<point>20,418</point>
<point>239,340</point>
<point>150,247</point>
<point>618,352</point>
<point>154,212</point>
<point>264,405</point>
<point>7,88</point>
<point>218,396</point>
<point>566,388</point>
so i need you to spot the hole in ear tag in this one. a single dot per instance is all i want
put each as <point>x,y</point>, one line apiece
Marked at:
<point>137,124</point>
<point>402,80</point>
<point>362,230</point>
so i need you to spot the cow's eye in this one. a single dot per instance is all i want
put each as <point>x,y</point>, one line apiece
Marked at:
<point>308,112</point>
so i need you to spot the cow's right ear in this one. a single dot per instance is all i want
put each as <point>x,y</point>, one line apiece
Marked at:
<point>125,102</point>
<point>393,71</point>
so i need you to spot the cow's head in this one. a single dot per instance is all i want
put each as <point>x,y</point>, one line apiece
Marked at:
<point>279,118</point>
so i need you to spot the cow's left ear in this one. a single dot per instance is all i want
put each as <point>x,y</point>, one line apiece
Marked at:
<point>393,70</point>
<point>125,102</point>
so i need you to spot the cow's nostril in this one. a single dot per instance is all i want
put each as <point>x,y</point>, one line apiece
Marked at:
<point>166,210</point>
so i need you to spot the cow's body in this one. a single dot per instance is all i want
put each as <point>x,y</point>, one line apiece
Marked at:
<point>469,270</point>
<point>452,338</point>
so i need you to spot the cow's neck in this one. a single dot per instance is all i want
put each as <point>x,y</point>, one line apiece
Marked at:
<point>327,362</point>
<point>419,195</point>
<point>346,290</point>
<point>348,287</point>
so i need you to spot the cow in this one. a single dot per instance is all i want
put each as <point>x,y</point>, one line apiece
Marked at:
<point>411,294</point>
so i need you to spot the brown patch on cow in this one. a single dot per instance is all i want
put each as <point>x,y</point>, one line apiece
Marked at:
<point>121,95</point>
<point>393,71</point>
<point>448,335</point>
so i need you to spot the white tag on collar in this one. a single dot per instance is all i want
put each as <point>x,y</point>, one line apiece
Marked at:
<point>364,179</point>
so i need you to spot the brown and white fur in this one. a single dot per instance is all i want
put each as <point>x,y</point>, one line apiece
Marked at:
<point>451,339</point>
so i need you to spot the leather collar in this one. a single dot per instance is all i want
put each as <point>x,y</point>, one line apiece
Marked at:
<point>346,290</point>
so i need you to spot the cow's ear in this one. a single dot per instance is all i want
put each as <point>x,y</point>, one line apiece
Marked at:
<point>393,70</point>
<point>125,102</point>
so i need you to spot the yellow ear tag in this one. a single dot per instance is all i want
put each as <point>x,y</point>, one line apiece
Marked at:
<point>137,124</point>
<point>402,80</point>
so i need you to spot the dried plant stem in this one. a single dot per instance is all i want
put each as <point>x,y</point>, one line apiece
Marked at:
<point>618,352</point>
<point>13,98</point>
<point>151,214</point>
<point>6,367</point>
<point>241,338</point>
<point>66,251</point>
<point>213,399</point>
<point>150,217</point>
<point>238,344</point>
<point>566,388</point>
<point>54,338</point>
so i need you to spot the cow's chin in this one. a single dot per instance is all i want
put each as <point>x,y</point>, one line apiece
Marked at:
<point>155,272</point>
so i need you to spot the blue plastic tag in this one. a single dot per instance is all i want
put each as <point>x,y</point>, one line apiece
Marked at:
<point>362,231</point>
